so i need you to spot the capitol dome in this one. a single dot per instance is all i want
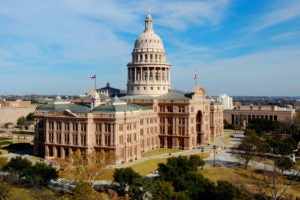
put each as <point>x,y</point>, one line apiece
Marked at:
<point>148,40</point>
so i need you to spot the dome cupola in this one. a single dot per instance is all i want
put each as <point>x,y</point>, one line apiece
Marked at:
<point>148,39</point>
<point>149,72</point>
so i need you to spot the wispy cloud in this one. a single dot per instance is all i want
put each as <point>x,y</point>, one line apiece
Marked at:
<point>276,13</point>
<point>179,15</point>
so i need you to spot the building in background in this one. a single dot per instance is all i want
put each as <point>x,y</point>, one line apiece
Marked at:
<point>152,115</point>
<point>10,111</point>
<point>226,101</point>
<point>241,115</point>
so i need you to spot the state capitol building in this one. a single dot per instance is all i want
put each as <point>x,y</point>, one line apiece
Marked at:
<point>151,115</point>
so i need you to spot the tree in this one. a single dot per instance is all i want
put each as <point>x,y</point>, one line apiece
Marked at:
<point>246,150</point>
<point>40,174</point>
<point>263,125</point>
<point>86,168</point>
<point>162,190</point>
<point>227,125</point>
<point>30,117</point>
<point>17,164</point>
<point>84,190</point>
<point>126,177</point>
<point>21,121</point>
<point>3,162</point>
<point>4,190</point>
<point>225,190</point>
<point>283,163</point>
<point>177,166</point>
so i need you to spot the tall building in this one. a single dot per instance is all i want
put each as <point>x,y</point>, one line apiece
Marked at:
<point>150,116</point>
<point>226,101</point>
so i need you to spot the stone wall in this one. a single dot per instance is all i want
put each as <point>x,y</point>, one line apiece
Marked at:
<point>11,114</point>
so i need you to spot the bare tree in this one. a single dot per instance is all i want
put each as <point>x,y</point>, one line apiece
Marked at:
<point>88,167</point>
<point>272,182</point>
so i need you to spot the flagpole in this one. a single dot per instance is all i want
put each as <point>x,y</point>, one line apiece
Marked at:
<point>95,82</point>
<point>195,77</point>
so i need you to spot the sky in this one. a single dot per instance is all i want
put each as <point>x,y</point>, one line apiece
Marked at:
<point>237,47</point>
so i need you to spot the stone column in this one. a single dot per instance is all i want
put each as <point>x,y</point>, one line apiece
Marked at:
<point>79,134</point>
<point>102,134</point>
<point>54,132</point>
<point>63,132</point>
<point>46,151</point>
<point>47,132</point>
<point>62,153</point>
<point>71,133</point>
<point>54,148</point>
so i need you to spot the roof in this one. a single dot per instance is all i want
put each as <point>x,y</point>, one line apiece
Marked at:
<point>117,105</point>
<point>175,95</point>
<point>148,39</point>
<point>107,87</point>
<point>74,108</point>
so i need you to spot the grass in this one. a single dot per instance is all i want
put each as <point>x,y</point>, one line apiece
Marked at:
<point>159,152</point>
<point>148,166</point>
<point>5,142</point>
<point>226,139</point>
<point>250,178</point>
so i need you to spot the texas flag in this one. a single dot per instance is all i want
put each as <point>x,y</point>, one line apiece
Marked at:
<point>195,75</point>
<point>93,76</point>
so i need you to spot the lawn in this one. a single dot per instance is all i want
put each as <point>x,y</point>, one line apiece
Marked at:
<point>226,139</point>
<point>248,178</point>
<point>5,142</point>
<point>159,152</point>
<point>148,166</point>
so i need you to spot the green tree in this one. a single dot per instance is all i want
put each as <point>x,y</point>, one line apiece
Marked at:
<point>246,149</point>
<point>40,174</point>
<point>263,125</point>
<point>17,164</point>
<point>225,190</point>
<point>126,177</point>
<point>21,121</point>
<point>227,125</point>
<point>162,190</point>
<point>177,166</point>
<point>30,117</point>
<point>284,163</point>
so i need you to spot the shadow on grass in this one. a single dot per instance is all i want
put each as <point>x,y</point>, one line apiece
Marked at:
<point>20,148</point>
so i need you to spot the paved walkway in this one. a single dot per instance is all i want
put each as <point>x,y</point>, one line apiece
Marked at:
<point>208,148</point>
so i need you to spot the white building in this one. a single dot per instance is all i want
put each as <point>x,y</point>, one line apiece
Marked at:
<point>226,101</point>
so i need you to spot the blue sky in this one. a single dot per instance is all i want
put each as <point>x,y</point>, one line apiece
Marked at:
<point>238,47</point>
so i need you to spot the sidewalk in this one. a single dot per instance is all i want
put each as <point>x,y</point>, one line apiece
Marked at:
<point>218,142</point>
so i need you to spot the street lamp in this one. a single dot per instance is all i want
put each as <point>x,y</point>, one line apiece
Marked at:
<point>214,148</point>
<point>202,150</point>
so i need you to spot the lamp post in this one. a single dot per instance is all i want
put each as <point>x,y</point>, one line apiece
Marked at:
<point>214,148</point>
<point>202,150</point>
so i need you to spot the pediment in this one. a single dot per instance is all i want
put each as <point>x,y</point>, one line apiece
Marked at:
<point>199,90</point>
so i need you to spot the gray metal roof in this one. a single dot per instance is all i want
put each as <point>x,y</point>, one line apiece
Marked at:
<point>61,107</point>
<point>117,105</point>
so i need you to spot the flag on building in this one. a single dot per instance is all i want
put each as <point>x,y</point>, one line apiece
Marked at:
<point>195,75</point>
<point>93,76</point>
